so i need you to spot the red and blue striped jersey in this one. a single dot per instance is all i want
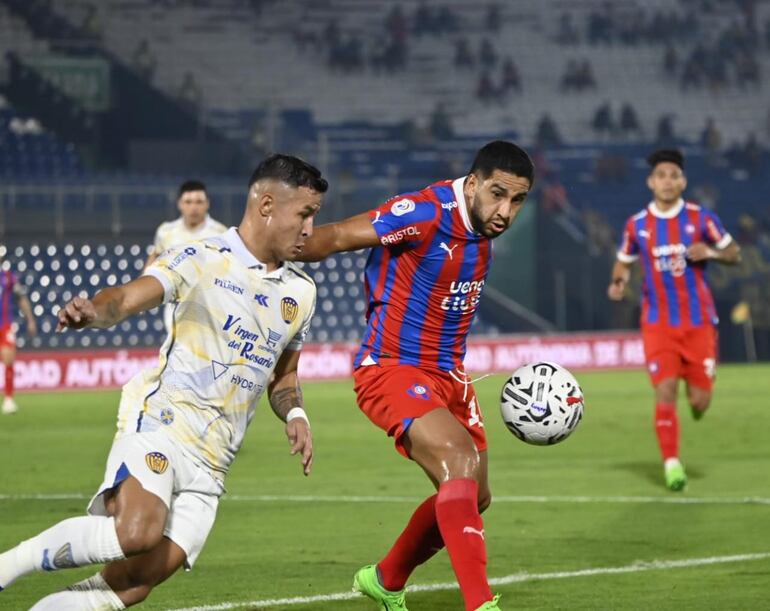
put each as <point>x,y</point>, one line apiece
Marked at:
<point>675,291</point>
<point>424,282</point>
<point>10,289</point>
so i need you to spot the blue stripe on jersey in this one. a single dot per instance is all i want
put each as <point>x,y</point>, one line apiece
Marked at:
<point>689,273</point>
<point>390,276</point>
<point>668,280</point>
<point>445,194</point>
<point>418,304</point>
<point>452,320</point>
<point>653,313</point>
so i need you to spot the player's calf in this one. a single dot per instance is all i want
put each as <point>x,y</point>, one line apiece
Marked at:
<point>699,400</point>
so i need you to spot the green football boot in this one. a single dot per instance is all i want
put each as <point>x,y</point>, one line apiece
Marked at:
<point>676,479</point>
<point>490,605</point>
<point>367,582</point>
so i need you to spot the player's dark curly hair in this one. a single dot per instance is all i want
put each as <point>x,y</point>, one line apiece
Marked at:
<point>290,170</point>
<point>666,155</point>
<point>504,156</point>
<point>191,185</point>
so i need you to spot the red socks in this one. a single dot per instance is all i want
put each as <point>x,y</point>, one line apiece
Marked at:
<point>420,540</point>
<point>667,429</point>
<point>462,529</point>
<point>9,381</point>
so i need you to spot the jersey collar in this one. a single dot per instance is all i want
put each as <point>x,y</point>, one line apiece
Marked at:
<point>668,214</point>
<point>235,243</point>
<point>457,187</point>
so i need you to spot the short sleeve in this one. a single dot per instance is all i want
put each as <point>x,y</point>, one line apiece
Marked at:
<point>157,243</point>
<point>628,251</point>
<point>713,230</point>
<point>178,270</point>
<point>404,220</point>
<point>298,340</point>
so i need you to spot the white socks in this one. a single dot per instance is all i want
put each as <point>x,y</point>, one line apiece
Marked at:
<point>70,543</point>
<point>92,594</point>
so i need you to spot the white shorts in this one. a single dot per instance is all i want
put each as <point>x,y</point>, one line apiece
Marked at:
<point>189,491</point>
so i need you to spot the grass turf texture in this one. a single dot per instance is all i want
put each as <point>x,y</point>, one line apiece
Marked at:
<point>265,549</point>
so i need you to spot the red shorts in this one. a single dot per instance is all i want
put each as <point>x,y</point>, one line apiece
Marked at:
<point>689,353</point>
<point>393,395</point>
<point>7,337</point>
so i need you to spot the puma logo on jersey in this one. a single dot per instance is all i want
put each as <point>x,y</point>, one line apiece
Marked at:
<point>472,531</point>
<point>377,218</point>
<point>449,251</point>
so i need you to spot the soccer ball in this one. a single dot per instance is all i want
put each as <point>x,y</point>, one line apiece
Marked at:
<point>541,403</point>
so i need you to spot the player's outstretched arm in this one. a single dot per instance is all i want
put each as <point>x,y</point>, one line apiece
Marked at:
<point>285,397</point>
<point>621,272</point>
<point>26,309</point>
<point>111,305</point>
<point>353,233</point>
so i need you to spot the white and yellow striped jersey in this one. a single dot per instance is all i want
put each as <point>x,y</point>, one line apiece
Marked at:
<point>175,233</point>
<point>232,320</point>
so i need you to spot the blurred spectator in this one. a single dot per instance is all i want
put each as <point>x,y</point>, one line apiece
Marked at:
<point>91,24</point>
<point>547,134</point>
<point>510,76</point>
<point>711,140</point>
<point>707,195</point>
<point>446,21</point>
<point>664,132</point>
<point>670,61</point>
<point>578,76</point>
<point>143,60</point>
<point>487,54</point>
<point>441,123</point>
<point>611,167</point>
<point>603,123</point>
<point>553,197</point>
<point>568,34</point>
<point>463,54</point>
<point>629,121</point>
<point>395,24</point>
<point>190,94</point>
<point>493,18</point>
<point>423,19</point>
<point>485,90</point>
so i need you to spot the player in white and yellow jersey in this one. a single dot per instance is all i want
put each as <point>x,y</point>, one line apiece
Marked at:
<point>241,313</point>
<point>194,223</point>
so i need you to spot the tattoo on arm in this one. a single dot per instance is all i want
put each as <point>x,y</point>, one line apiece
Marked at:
<point>283,399</point>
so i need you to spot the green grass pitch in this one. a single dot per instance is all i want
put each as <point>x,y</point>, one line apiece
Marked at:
<point>600,503</point>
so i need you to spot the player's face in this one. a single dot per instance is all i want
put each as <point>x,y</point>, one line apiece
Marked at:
<point>667,182</point>
<point>193,206</point>
<point>495,201</point>
<point>293,213</point>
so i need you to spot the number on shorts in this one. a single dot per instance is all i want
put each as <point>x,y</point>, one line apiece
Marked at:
<point>475,416</point>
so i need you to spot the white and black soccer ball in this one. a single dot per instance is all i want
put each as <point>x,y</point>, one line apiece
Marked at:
<point>541,403</point>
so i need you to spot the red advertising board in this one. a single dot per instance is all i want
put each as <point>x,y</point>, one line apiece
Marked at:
<point>69,370</point>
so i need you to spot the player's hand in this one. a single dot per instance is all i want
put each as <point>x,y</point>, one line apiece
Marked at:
<point>700,251</point>
<point>76,314</point>
<point>616,289</point>
<point>301,440</point>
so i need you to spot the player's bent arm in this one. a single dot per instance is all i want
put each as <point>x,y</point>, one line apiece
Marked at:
<point>729,255</point>
<point>353,233</point>
<point>286,400</point>
<point>26,309</point>
<point>112,305</point>
<point>283,390</point>
<point>621,272</point>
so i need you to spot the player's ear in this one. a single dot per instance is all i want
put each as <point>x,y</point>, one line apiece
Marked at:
<point>649,183</point>
<point>684,182</point>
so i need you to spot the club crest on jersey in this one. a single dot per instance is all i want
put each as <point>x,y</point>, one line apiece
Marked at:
<point>289,309</point>
<point>418,391</point>
<point>167,415</point>
<point>157,462</point>
<point>402,207</point>
<point>689,228</point>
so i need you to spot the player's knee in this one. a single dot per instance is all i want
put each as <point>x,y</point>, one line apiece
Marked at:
<point>700,401</point>
<point>137,536</point>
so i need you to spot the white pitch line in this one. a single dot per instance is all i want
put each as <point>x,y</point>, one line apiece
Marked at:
<point>636,567</point>
<point>269,498</point>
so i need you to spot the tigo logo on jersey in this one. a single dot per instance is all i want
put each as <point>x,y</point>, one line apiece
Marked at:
<point>418,391</point>
<point>402,207</point>
<point>449,205</point>
<point>289,309</point>
<point>157,462</point>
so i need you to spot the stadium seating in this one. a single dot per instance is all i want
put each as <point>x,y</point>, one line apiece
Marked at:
<point>53,274</point>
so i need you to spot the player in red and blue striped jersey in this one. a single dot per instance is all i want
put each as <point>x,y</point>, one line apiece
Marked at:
<point>431,252</point>
<point>12,293</point>
<point>674,240</point>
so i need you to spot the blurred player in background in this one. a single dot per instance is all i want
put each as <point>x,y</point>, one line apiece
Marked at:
<point>193,224</point>
<point>675,240</point>
<point>242,311</point>
<point>431,252</point>
<point>12,294</point>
